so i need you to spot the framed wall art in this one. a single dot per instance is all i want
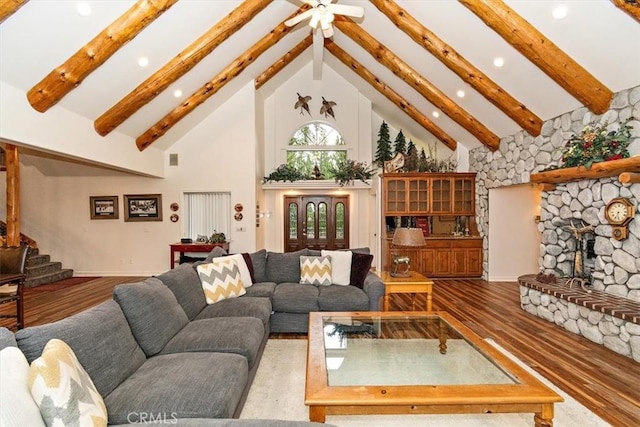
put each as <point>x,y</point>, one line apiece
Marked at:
<point>142,207</point>
<point>104,207</point>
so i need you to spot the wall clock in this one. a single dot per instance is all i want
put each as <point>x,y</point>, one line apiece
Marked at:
<point>619,212</point>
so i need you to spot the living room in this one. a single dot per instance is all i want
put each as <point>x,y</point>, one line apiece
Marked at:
<point>240,135</point>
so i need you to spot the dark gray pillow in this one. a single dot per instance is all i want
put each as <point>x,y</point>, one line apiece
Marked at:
<point>152,311</point>
<point>284,267</point>
<point>215,253</point>
<point>7,339</point>
<point>259,261</point>
<point>100,338</point>
<point>187,288</point>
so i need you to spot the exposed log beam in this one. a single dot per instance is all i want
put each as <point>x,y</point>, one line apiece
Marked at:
<point>285,60</point>
<point>517,111</point>
<point>390,94</point>
<point>178,66</point>
<point>629,178</point>
<point>70,74</point>
<point>9,7</point>
<point>230,72</point>
<point>543,53</point>
<point>631,7</point>
<point>598,170</point>
<point>427,89</point>
<point>13,194</point>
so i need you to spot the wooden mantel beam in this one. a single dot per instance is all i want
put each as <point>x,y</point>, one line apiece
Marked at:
<point>631,7</point>
<point>391,95</point>
<point>543,53</point>
<point>285,60</point>
<point>74,70</point>
<point>12,160</point>
<point>9,7</point>
<point>427,89</point>
<point>179,65</point>
<point>230,72</point>
<point>446,54</point>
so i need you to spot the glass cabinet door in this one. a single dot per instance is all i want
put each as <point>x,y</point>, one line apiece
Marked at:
<point>441,195</point>
<point>396,196</point>
<point>418,196</point>
<point>463,196</point>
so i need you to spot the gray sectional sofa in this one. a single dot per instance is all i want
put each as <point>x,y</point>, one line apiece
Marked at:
<point>159,348</point>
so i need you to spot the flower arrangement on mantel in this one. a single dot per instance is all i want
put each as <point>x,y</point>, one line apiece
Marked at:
<point>596,144</point>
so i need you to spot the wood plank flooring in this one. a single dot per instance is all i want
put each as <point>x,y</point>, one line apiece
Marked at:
<point>605,382</point>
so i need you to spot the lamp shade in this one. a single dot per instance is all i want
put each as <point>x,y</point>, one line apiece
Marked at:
<point>408,237</point>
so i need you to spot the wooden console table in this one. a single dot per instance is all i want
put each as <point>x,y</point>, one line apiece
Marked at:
<point>193,247</point>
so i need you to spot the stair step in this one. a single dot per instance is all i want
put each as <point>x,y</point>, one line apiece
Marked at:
<point>35,260</point>
<point>33,281</point>
<point>45,268</point>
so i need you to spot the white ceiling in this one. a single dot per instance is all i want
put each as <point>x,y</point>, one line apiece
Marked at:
<point>44,33</point>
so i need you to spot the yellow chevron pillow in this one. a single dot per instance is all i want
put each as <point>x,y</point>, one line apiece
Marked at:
<point>221,280</point>
<point>315,270</point>
<point>63,390</point>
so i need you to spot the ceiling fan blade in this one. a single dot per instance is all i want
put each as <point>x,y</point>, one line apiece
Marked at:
<point>298,18</point>
<point>344,9</point>
<point>315,18</point>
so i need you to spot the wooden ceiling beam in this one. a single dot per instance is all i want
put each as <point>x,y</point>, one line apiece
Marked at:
<point>543,53</point>
<point>390,94</point>
<point>285,60</point>
<point>409,75</point>
<point>446,54</point>
<point>9,7</point>
<point>178,66</point>
<point>74,70</point>
<point>230,72</point>
<point>631,7</point>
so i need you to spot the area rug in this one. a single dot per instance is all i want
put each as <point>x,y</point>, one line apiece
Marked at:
<point>277,392</point>
<point>61,284</point>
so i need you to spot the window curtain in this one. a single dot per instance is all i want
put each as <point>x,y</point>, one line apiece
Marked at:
<point>206,213</point>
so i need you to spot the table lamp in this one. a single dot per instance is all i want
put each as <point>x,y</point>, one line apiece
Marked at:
<point>405,237</point>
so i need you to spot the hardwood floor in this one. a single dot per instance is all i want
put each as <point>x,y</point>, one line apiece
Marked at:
<point>605,382</point>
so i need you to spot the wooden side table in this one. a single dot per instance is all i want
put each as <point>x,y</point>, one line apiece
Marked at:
<point>193,247</point>
<point>416,283</point>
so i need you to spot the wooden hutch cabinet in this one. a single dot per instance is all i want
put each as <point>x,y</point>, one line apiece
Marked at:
<point>443,205</point>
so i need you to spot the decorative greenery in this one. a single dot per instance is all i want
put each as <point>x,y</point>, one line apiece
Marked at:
<point>431,163</point>
<point>596,144</point>
<point>383,153</point>
<point>285,172</point>
<point>347,171</point>
<point>217,237</point>
<point>400,143</point>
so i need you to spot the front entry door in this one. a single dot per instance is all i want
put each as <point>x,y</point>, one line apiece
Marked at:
<point>316,222</point>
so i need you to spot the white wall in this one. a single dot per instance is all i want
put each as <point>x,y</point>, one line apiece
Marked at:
<point>514,239</point>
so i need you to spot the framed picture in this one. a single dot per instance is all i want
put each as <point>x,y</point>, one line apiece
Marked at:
<point>104,207</point>
<point>142,207</point>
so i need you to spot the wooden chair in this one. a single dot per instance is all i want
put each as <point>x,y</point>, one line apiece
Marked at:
<point>12,277</point>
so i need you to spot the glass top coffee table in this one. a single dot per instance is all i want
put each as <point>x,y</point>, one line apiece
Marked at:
<point>413,363</point>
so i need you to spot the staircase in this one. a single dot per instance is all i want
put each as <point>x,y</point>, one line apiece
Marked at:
<point>41,270</point>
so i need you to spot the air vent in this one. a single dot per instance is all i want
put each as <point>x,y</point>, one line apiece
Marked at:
<point>173,159</point>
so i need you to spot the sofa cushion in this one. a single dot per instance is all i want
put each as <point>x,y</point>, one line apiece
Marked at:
<point>261,289</point>
<point>296,298</point>
<point>7,339</point>
<point>183,385</point>
<point>63,390</point>
<point>152,311</point>
<point>315,270</point>
<point>185,285</point>
<point>18,406</point>
<point>245,306</point>
<point>100,338</point>
<point>240,335</point>
<point>284,267</point>
<point>360,267</point>
<point>259,262</point>
<point>221,280</point>
<point>340,266</point>
<point>215,253</point>
<point>342,298</point>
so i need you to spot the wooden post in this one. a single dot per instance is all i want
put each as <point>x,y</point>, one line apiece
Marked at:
<point>13,195</point>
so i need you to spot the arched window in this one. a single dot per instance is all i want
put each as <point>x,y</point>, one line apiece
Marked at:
<point>316,144</point>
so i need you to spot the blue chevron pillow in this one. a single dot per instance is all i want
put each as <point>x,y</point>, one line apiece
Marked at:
<point>221,280</point>
<point>315,270</point>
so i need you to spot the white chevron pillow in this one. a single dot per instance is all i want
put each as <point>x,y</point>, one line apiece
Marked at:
<point>221,280</point>
<point>315,270</point>
<point>63,390</point>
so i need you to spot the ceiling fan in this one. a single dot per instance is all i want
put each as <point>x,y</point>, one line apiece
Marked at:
<point>322,13</point>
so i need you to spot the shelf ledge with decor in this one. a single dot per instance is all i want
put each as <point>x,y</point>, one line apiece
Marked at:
<point>319,184</point>
<point>627,170</point>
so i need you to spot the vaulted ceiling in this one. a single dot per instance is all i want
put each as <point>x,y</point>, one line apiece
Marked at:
<point>411,58</point>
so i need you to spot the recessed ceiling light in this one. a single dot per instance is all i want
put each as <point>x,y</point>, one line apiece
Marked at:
<point>83,8</point>
<point>177,93</point>
<point>143,61</point>
<point>560,12</point>
<point>498,62</point>
<point>460,93</point>
<point>435,114</point>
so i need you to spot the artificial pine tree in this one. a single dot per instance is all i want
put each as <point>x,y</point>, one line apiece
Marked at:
<point>410,146</point>
<point>411,159</point>
<point>400,143</point>
<point>383,153</point>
